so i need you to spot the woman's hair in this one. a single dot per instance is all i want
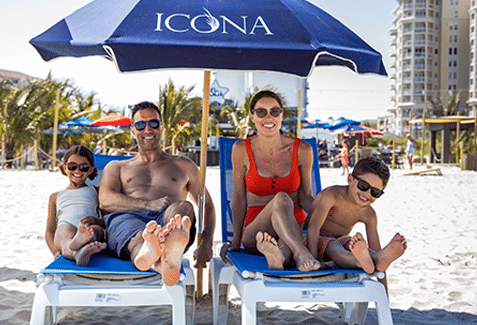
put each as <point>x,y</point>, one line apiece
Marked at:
<point>264,94</point>
<point>83,152</point>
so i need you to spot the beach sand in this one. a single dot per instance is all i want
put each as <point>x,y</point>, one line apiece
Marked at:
<point>434,282</point>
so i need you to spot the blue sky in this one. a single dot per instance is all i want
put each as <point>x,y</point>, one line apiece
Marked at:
<point>333,91</point>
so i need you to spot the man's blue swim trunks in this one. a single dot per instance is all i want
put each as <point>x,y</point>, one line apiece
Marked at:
<point>122,226</point>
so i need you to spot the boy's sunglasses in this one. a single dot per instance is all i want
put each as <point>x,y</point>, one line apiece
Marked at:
<point>83,167</point>
<point>364,186</point>
<point>262,112</point>
<point>141,125</point>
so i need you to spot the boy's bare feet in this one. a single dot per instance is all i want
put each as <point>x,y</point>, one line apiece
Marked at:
<point>396,247</point>
<point>305,261</point>
<point>152,248</point>
<point>177,237</point>
<point>83,255</point>
<point>268,246</point>
<point>83,235</point>
<point>359,249</point>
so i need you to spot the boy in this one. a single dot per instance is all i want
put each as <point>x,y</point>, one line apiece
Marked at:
<point>337,209</point>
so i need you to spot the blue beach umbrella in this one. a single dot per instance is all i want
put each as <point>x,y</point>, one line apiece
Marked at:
<point>285,36</point>
<point>349,128</point>
<point>338,123</point>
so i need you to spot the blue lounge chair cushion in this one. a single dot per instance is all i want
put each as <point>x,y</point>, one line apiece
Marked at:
<point>244,261</point>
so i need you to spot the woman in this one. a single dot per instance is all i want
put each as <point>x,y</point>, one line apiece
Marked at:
<point>272,189</point>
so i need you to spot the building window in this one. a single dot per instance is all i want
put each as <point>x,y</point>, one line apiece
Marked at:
<point>455,50</point>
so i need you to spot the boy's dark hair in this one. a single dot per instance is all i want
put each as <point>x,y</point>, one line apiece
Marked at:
<point>83,152</point>
<point>145,105</point>
<point>264,94</point>
<point>374,166</point>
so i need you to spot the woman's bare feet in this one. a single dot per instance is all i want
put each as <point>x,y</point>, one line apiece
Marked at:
<point>83,235</point>
<point>359,248</point>
<point>396,247</point>
<point>83,255</point>
<point>177,237</point>
<point>152,248</point>
<point>268,246</point>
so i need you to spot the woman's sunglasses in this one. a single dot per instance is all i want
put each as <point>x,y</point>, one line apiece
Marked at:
<point>141,125</point>
<point>364,186</point>
<point>262,112</point>
<point>83,167</point>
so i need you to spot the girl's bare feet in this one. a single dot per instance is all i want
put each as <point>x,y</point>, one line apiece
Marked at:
<point>152,248</point>
<point>83,255</point>
<point>396,247</point>
<point>177,237</point>
<point>359,248</point>
<point>268,246</point>
<point>83,235</point>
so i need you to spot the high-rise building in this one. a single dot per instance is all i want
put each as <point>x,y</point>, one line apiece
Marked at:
<point>431,49</point>
<point>473,56</point>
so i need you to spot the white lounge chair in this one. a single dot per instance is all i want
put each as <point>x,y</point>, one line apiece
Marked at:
<point>108,281</point>
<point>352,289</point>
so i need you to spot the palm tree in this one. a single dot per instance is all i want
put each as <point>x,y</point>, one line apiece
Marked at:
<point>176,107</point>
<point>437,108</point>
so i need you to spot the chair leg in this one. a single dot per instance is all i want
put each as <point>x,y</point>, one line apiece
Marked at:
<point>190,304</point>
<point>219,293</point>
<point>358,313</point>
<point>249,311</point>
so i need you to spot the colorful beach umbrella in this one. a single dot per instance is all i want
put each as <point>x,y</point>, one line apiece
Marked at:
<point>285,36</point>
<point>112,119</point>
<point>349,128</point>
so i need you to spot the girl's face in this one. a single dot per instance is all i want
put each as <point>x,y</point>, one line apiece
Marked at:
<point>78,168</point>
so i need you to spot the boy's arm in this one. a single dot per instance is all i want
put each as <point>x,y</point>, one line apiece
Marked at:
<point>371,223</point>
<point>51,225</point>
<point>321,206</point>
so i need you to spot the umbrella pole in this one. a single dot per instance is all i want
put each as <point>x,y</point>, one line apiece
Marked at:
<point>203,165</point>
<point>298,123</point>
<point>55,132</point>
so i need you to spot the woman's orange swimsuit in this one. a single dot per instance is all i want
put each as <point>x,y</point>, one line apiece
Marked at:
<point>259,185</point>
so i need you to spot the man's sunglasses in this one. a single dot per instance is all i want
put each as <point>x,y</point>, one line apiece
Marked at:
<point>364,186</point>
<point>262,112</point>
<point>83,167</point>
<point>141,125</point>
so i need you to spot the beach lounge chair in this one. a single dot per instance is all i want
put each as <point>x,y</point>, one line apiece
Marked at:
<point>352,289</point>
<point>108,281</point>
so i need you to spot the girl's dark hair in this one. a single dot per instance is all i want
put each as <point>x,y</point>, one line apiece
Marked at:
<point>83,152</point>
<point>374,166</point>
<point>264,94</point>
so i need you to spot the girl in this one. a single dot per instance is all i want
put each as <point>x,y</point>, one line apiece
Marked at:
<point>344,153</point>
<point>74,228</point>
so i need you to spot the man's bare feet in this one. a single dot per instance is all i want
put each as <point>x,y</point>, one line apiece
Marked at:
<point>83,255</point>
<point>177,237</point>
<point>83,235</point>
<point>305,261</point>
<point>268,246</point>
<point>396,247</point>
<point>152,248</point>
<point>359,248</point>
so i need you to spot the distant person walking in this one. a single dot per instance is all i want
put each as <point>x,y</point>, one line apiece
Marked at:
<point>410,149</point>
<point>344,156</point>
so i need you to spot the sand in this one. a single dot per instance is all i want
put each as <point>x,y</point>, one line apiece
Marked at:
<point>435,281</point>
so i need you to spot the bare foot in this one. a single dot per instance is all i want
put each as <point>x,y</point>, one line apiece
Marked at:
<point>391,252</point>
<point>152,248</point>
<point>305,261</point>
<point>82,237</point>
<point>83,255</point>
<point>268,246</point>
<point>359,248</point>
<point>177,237</point>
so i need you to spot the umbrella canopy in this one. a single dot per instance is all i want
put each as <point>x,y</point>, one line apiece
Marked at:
<point>349,128</point>
<point>368,131</point>
<point>82,121</point>
<point>288,36</point>
<point>112,119</point>
<point>340,122</point>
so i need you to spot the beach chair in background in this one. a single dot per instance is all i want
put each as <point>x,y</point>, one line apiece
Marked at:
<point>352,289</point>
<point>109,282</point>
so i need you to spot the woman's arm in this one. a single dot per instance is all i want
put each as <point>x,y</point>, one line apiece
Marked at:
<point>305,165</point>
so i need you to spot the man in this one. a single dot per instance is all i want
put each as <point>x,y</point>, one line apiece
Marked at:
<point>150,221</point>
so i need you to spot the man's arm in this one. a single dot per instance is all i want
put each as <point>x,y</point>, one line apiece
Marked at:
<point>112,200</point>
<point>203,253</point>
